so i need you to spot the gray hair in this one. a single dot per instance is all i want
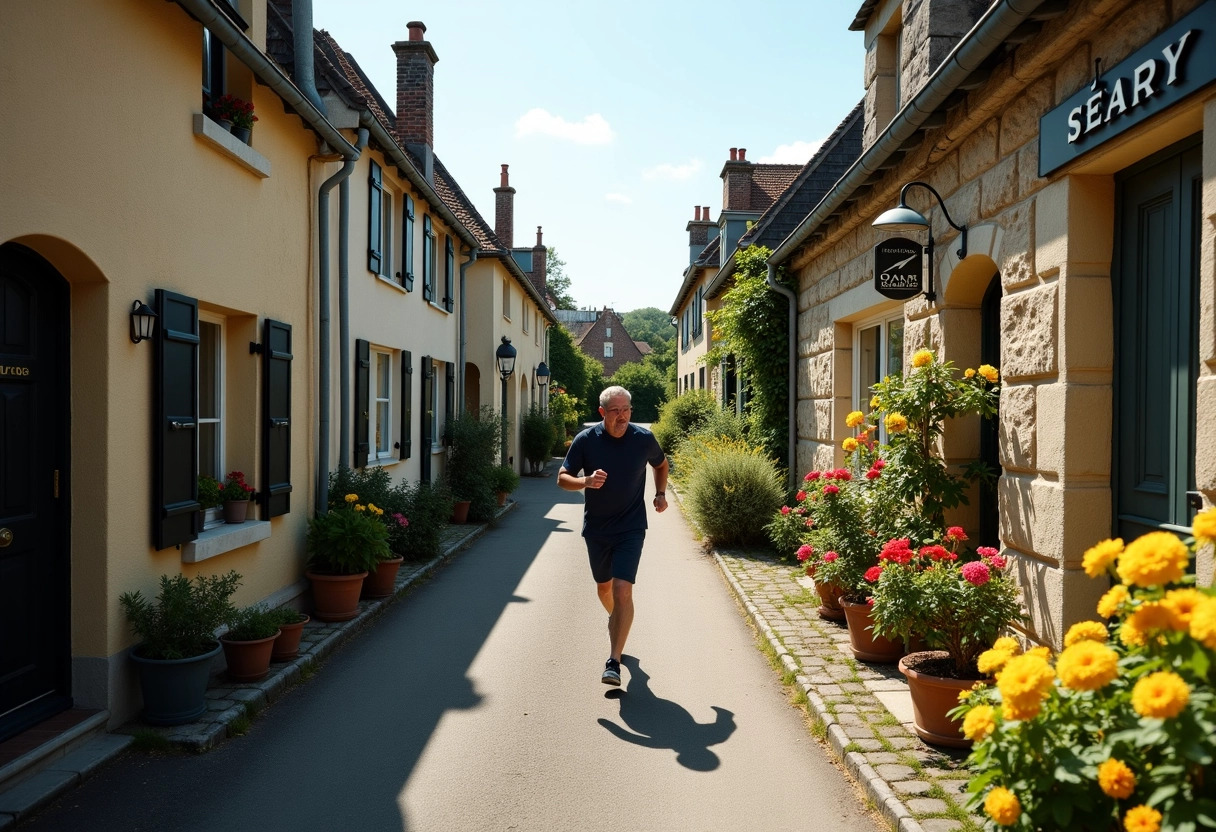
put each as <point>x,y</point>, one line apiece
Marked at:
<point>613,392</point>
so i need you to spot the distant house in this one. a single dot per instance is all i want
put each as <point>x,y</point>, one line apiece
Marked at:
<point>602,335</point>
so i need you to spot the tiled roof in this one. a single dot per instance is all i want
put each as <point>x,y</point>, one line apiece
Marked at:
<point>710,254</point>
<point>350,81</point>
<point>580,330</point>
<point>769,181</point>
<point>452,195</point>
<point>643,347</point>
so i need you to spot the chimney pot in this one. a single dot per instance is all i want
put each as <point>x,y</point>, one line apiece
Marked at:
<point>417,28</point>
<point>696,213</point>
<point>504,182</point>
<point>743,154</point>
<point>539,244</point>
<point>705,213</point>
<point>734,154</point>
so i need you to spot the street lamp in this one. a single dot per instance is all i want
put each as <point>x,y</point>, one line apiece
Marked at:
<point>505,355</point>
<point>903,218</point>
<point>542,381</point>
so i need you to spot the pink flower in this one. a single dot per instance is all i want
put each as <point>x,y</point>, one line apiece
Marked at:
<point>956,534</point>
<point>401,519</point>
<point>897,550</point>
<point>997,561</point>
<point>986,552</point>
<point>804,551</point>
<point>814,475</point>
<point>873,474</point>
<point>828,557</point>
<point>879,464</point>
<point>800,496</point>
<point>976,573</point>
<point>936,552</point>
<point>831,489</point>
<point>869,600</point>
<point>873,573</point>
<point>843,474</point>
<point>800,511</point>
<point>810,523</point>
<point>785,509</point>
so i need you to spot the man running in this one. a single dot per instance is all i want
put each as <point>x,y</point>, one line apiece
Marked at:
<point>611,458</point>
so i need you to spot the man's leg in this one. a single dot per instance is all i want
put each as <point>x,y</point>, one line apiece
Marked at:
<point>621,617</point>
<point>604,591</point>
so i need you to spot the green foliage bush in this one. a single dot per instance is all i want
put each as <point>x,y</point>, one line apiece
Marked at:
<point>536,438</point>
<point>474,441</point>
<point>646,387</point>
<point>181,622</point>
<point>503,478</point>
<point>730,489</point>
<point>346,541</point>
<point>429,506</point>
<point>682,416</point>
<point>254,623</point>
<point>564,413</point>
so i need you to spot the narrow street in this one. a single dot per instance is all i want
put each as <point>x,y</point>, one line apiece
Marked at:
<point>475,704</point>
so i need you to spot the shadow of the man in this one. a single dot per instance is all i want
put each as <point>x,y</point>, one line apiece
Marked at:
<point>661,723</point>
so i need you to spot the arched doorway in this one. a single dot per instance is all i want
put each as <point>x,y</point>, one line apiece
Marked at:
<point>35,589</point>
<point>472,388</point>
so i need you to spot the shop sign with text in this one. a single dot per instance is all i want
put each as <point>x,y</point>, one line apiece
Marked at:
<point>898,268</point>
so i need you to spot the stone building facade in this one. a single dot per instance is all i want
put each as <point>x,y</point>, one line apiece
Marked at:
<point>1088,273</point>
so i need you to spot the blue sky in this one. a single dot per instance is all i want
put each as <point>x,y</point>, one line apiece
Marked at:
<point>615,120</point>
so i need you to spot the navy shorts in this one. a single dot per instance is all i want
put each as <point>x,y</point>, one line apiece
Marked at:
<point>615,556</point>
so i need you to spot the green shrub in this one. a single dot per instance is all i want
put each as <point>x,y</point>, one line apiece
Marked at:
<point>536,438</point>
<point>682,416</point>
<point>646,386</point>
<point>563,412</point>
<point>429,506</point>
<point>208,491</point>
<point>255,622</point>
<point>724,424</point>
<point>181,622</point>
<point>473,441</point>
<point>732,490</point>
<point>503,479</point>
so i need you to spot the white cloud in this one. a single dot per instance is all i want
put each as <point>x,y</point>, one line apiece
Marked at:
<point>673,172</point>
<point>795,153</point>
<point>593,129</point>
<point>619,198</point>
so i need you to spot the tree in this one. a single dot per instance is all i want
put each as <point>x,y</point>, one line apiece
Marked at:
<point>647,387</point>
<point>567,367</point>
<point>557,281</point>
<point>649,324</point>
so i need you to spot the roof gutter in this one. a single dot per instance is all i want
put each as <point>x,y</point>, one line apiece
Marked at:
<point>268,73</point>
<point>984,38</point>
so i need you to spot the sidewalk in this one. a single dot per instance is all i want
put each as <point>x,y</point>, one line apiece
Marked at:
<point>862,710</point>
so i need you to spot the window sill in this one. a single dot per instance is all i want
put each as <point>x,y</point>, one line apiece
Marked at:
<point>388,281</point>
<point>230,146</point>
<point>225,538</point>
<point>438,307</point>
<point>383,462</point>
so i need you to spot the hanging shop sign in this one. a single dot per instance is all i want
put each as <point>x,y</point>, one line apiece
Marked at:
<point>1171,66</point>
<point>898,268</point>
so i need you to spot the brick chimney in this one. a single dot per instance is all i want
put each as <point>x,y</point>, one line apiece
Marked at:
<point>698,232</point>
<point>737,181</point>
<point>540,264</point>
<point>416,97</point>
<point>504,211</point>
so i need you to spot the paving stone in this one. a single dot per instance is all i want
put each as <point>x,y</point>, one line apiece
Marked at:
<point>912,787</point>
<point>940,825</point>
<point>927,806</point>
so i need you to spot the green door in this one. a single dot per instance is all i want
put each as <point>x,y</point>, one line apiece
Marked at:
<point>1155,284</point>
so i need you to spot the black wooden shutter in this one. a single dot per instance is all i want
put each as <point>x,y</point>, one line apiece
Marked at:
<point>428,259</point>
<point>428,382</point>
<point>375,225</point>
<point>449,278</point>
<point>407,246</point>
<point>449,398</point>
<point>407,404</point>
<point>276,421</point>
<point>362,373</point>
<point>175,476</point>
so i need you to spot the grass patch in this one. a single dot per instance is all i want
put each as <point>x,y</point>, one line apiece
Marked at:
<point>818,729</point>
<point>149,741</point>
<point>803,597</point>
<point>886,721</point>
<point>240,726</point>
<point>852,747</point>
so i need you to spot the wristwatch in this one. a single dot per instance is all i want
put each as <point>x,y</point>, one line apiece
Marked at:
<point>660,493</point>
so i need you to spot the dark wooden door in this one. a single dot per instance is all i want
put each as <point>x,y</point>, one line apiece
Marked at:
<point>1155,285</point>
<point>34,601</point>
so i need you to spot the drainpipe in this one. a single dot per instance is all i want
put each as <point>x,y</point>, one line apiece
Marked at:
<point>301,31</point>
<point>344,311</point>
<point>791,380</point>
<point>464,267</point>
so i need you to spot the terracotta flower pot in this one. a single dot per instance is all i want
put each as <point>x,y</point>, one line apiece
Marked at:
<point>287,645</point>
<point>235,511</point>
<point>829,606</point>
<point>248,661</point>
<point>336,597</point>
<point>865,645</point>
<point>460,511</point>
<point>502,498</point>
<point>382,582</point>
<point>932,698</point>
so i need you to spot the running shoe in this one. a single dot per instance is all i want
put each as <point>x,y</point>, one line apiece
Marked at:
<point>612,673</point>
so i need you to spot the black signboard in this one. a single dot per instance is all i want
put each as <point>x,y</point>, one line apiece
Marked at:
<point>898,268</point>
<point>1171,66</point>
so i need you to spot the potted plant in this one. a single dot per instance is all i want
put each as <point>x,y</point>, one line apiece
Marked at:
<point>344,544</point>
<point>473,442</point>
<point>385,502</point>
<point>235,495</point>
<point>958,606</point>
<point>1115,732</point>
<point>177,632</point>
<point>235,114</point>
<point>503,480</point>
<point>381,580</point>
<point>249,642</point>
<point>208,498</point>
<point>291,627</point>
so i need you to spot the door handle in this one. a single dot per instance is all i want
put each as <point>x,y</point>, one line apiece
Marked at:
<point>6,537</point>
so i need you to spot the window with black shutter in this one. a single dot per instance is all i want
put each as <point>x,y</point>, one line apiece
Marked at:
<point>407,246</point>
<point>427,413</point>
<point>407,404</point>
<point>449,398</point>
<point>375,205</point>
<point>428,259</point>
<point>276,425</point>
<point>362,379</point>
<point>175,478</point>
<point>449,278</point>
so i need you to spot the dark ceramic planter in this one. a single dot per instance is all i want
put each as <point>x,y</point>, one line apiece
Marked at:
<point>174,690</point>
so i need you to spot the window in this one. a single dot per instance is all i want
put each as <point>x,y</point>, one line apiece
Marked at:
<point>696,312</point>
<point>380,406</point>
<point>214,76</point>
<point>506,298</point>
<point>449,275</point>
<point>375,227</point>
<point>211,405</point>
<point>539,327</point>
<point>879,352</point>
<point>428,259</point>
<point>701,377</point>
<point>607,330</point>
<point>527,314</point>
<point>407,244</point>
<point>433,410</point>
<point>607,349</point>
<point>386,235</point>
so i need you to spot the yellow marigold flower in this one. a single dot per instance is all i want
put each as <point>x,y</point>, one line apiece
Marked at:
<point>990,661</point>
<point>352,498</point>
<point>1182,604</point>
<point>979,722</point>
<point>1151,615</point>
<point>1023,682</point>
<point>1142,819</point>
<point>874,403</point>
<point>374,509</point>
<point>1116,779</point>
<point>1026,706</point>
<point>1153,559</point>
<point>1099,556</point>
<point>854,418</point>
<point>1085,631</point>
<point>1131,635</point>
<point>360,507</point>
<point>1114,598</point>
<point>1007,643</point>
<point>1162,694</point>
<point>1203,623</point>
<point>1040,651</point>
<point>1204,526</point>
<point>989,372</point>
<point>922,358</point>
<point>1002,806</point>
<point>897,423</point>
<point>849,444</point>
<point>970,373</point>
<point>1087,665</point>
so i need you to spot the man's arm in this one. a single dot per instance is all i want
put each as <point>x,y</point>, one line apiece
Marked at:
<point>595,479</point>
<point>660,486</point>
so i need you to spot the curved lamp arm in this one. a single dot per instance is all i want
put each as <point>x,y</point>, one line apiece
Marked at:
<point>961,229</point>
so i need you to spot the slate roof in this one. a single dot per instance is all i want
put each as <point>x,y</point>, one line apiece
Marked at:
<point>707,259</point>
<point>863,14</point>
<point>579,330</point>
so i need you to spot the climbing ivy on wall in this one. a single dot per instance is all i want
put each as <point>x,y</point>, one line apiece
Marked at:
<point>753,324</point>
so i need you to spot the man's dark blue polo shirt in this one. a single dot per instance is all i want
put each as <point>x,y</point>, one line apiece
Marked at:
<point>620,506</point>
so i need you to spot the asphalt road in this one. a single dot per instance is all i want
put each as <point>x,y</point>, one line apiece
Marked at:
<point>475,703</point>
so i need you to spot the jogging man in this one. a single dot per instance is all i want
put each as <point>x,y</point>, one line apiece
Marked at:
<point>608,462</point>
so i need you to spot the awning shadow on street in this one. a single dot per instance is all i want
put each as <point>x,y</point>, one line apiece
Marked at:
<point>661,724</point>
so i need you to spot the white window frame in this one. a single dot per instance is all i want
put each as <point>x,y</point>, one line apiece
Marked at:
<point>607,330</point>
<point>213,516</point>
<point>388,228</point>
<point>883,322</point>
<point>506,299</point>
<point>607,349</point>
<point>380,400</point>
<point>436,436</point>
